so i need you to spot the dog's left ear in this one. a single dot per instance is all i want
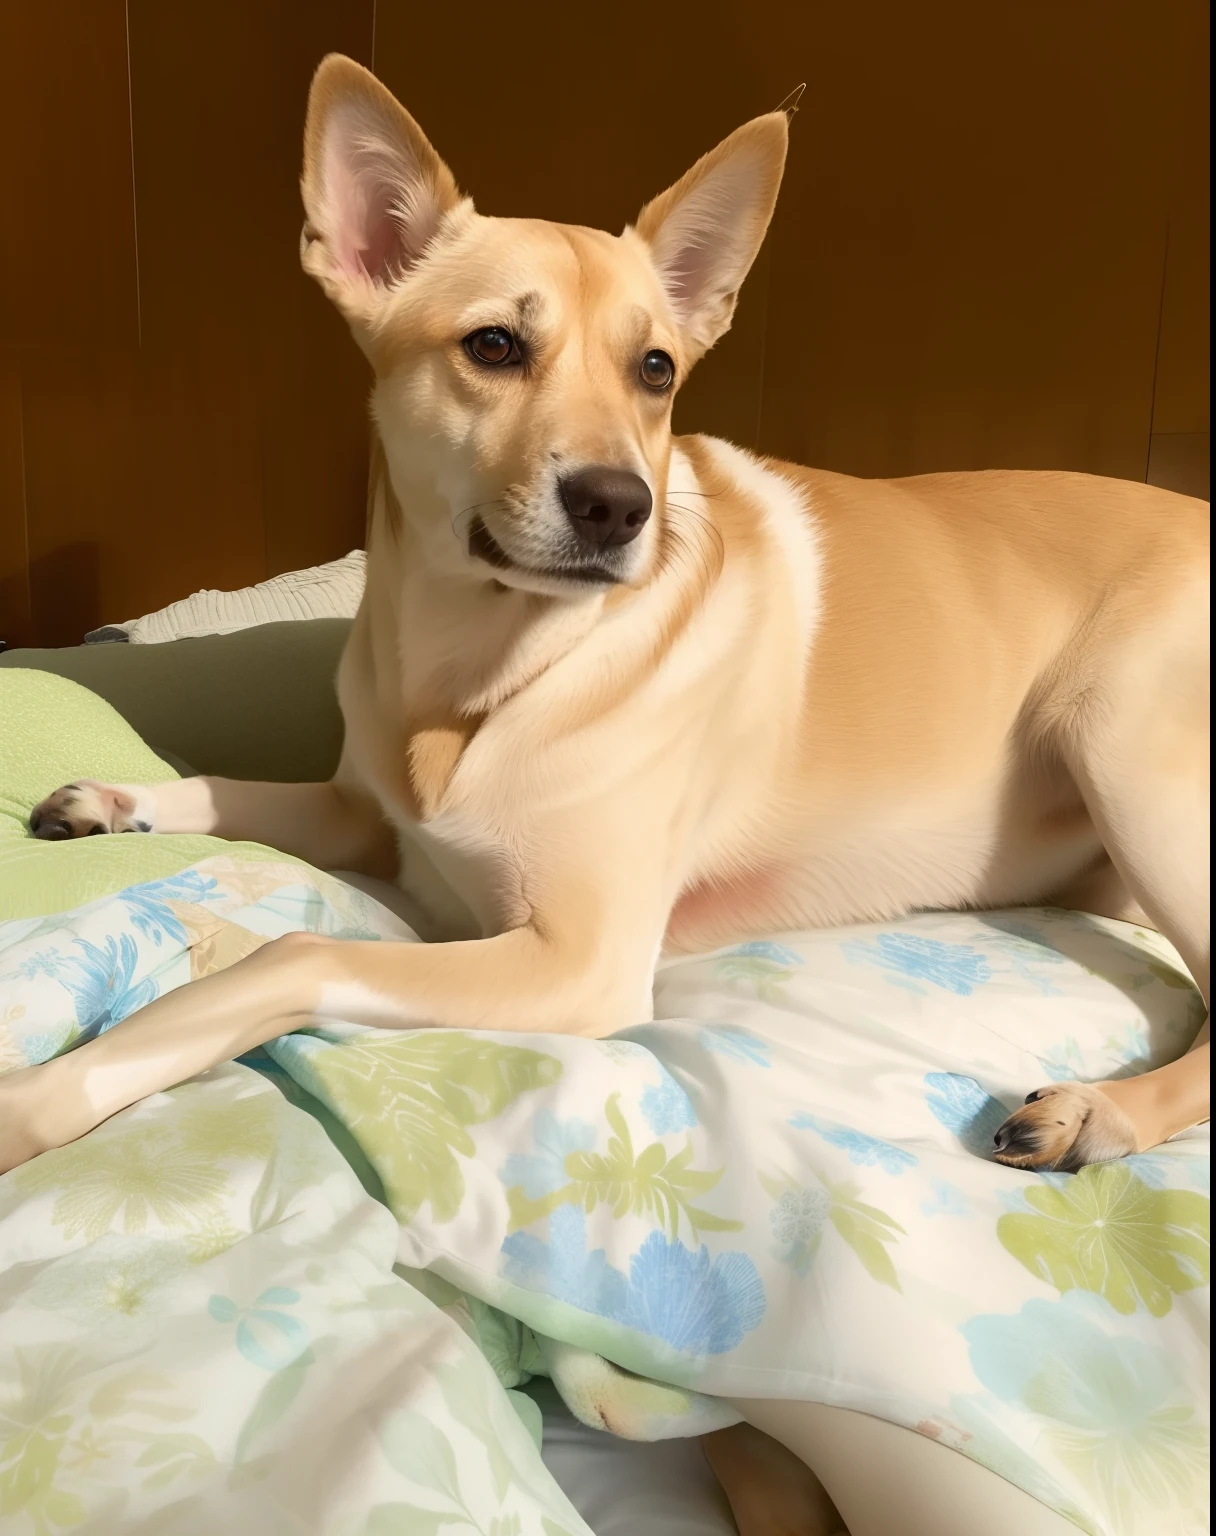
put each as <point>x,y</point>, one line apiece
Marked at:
<point>704,232</point>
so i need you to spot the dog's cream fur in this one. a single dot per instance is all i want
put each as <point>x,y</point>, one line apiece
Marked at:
<point>794,699</point>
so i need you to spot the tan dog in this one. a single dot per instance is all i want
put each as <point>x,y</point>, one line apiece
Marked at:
<point>611,691</point>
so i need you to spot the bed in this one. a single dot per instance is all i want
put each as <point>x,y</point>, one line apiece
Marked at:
<point>372,1281</point>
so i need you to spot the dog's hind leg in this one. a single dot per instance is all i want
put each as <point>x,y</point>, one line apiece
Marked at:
<point>1141,761</point>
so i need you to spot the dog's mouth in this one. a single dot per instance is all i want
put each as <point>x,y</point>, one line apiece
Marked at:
<point>484,546</point>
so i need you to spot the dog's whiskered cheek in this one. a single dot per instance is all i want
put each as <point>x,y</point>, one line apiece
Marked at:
<point>533,526</point>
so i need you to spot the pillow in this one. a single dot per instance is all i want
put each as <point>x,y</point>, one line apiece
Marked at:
<point>256,704</point>
<point>332,591</point>
<point>53,732</point>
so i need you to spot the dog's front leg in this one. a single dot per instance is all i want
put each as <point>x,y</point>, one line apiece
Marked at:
<point>567,972</point>
<point>335,825</point>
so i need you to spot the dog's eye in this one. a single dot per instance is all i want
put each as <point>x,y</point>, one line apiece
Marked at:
<point>657,370</point>
<point>493,345</point>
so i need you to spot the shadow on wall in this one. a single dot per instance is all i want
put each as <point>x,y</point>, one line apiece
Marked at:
<point>66,586</point>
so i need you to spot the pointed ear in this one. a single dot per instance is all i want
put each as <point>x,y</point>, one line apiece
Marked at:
<point>704,232</point>
<point>375,192</point>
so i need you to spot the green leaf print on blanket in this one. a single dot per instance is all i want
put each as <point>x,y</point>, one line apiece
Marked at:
<point>42,1430</point>
<point>165,1173</point>
<point>800,1216</point>
<point>760,965</point>
<point>1104,1230</point>
<point>647,1183</point>
<point>410,1101</point>
<point>1111,1407</point>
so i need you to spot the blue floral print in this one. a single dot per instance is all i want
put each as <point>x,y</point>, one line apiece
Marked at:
<point>965,1109</point>
<point>667,1108</point>
<point>864,1151</point>
<point>736,1044</point>
<point>956,968</point>
<point>148,903</point>
<point>267,1336</point>
<point>542,1172</point>
<point>696,1303</point>
<point>946,1201</point>
<point>101,979</point>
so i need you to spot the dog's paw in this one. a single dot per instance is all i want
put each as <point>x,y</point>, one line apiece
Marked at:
<point>86,808</point>
<point>1064,1127</point>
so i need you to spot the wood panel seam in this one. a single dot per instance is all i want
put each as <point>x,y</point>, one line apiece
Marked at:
<point>1152,409</point>
<point>139,306</point>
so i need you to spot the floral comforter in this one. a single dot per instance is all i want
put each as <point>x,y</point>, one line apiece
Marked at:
<point>200,1324</point>
<point>777,1189</point>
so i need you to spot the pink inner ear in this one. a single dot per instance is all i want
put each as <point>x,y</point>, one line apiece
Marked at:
<point>702,248</point>
<point>373,193</point>
<point>383,255</point>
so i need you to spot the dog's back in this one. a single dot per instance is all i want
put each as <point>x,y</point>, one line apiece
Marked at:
<point>968,630</point>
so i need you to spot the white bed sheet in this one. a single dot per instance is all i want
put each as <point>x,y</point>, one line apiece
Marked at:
<point>630,1487</point>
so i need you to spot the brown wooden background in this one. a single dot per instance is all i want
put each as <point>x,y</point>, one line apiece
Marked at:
<point>991,249</point>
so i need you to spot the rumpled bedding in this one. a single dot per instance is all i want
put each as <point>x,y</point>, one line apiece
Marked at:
<point>200,1326</point>
<point>779,1188</point>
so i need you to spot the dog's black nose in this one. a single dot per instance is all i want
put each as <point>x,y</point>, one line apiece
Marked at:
<point>606,506</point>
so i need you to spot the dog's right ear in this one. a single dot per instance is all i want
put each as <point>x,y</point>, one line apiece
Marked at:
<point>375,192</point>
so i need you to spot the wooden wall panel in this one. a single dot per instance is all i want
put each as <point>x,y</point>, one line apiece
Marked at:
<point>15,626</point>
<point>968,254</point>
<point>141,486</point>
<point>220,217</point>
<point>1180,455</point>
<point>314,381</point>
<point>968,265</point>
<point>67,259</point>
<point>214,431</point>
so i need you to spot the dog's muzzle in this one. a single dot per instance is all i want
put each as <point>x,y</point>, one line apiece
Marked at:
<point>593,563</point>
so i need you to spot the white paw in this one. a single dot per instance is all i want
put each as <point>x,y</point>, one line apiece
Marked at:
<point>86,808</point>
<point>1065,1127</point>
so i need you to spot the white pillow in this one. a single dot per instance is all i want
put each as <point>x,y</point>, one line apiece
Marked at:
<point>331,591</point>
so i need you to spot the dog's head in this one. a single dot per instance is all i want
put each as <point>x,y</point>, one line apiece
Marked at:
<point>525,371</point>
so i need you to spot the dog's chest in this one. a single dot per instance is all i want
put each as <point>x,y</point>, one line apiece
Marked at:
<point>459,876</point>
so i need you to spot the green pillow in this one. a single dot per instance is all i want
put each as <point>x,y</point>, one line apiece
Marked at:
<point>51,732</point>
<point>256,704</point>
